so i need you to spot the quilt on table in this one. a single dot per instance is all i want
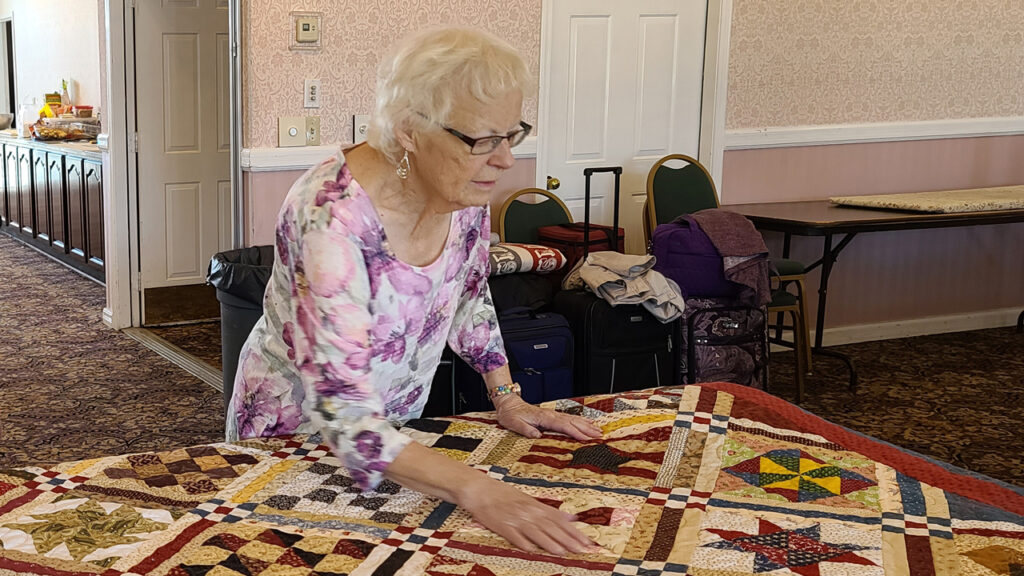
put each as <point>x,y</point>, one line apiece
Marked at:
<point>710,479</point>
<point>943,201</point>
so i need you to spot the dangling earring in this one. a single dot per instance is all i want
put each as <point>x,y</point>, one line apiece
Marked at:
<point>403,166</point>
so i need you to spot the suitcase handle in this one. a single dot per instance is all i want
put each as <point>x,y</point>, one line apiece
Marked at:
<point>615,169</point>
<point>587,173</point>
<point>518,312</point>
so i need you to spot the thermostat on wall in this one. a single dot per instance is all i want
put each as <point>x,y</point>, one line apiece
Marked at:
<point>306,26</point>
<point>307,29</point>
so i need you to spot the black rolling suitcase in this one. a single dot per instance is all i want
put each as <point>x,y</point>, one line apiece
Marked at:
<point>617,347</point>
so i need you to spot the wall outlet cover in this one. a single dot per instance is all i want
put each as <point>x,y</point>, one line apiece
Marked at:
<point>360,124</point>
<point>312,130</point>
<point>291,131</point>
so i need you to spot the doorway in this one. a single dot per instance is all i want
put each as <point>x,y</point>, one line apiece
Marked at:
<point>623,84</point>
<point>182,78</point>
<point>172,147</point>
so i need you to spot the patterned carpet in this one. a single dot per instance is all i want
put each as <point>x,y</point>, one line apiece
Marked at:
<point>956,397</point>
<point>70,387</point>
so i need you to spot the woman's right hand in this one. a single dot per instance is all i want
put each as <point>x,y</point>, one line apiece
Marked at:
<point>521,519</point>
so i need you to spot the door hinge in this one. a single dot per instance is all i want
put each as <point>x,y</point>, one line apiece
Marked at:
<point>133,143</point>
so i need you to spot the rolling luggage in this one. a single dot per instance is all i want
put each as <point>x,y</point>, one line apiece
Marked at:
<point>539,347</point>
<point>570,240</point>
<point>722,336</point>
<point>578,239</point>
<point>532,291</point>
<point>722,341</point>
<point>684,253</point>
<point>617,348</point>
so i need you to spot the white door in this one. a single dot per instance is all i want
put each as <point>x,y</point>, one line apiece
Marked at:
<point>184,138</point>
<point>620,86</point>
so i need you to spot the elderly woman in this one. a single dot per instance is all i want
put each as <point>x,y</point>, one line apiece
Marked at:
<point>381,259</point>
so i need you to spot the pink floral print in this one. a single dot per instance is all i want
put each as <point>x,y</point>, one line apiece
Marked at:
<point>351,335</point>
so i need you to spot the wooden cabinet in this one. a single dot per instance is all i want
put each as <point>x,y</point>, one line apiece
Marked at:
<point>11,188</point>
<point>27,217</point>
<point>58,203</point>
<point>93,172</point>
<point>74,179</point>
<point>52,197</point>
<point>41,199</point>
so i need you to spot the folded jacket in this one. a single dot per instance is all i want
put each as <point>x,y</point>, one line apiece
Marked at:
<point>627,279</point>
<point>744,254</point>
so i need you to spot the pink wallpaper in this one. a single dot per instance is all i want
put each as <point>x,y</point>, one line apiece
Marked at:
<point>264,192</point>
<point>355,35</point>
<point>906,274</point>
<point>812,62</point>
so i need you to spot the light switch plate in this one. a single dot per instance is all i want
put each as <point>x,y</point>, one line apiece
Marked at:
<point>311,93</point>
<point>312,130</point>
<point>360,124</point>
<point>291,131</point>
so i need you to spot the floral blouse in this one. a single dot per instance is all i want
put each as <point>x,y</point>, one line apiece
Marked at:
<point>351,335</point>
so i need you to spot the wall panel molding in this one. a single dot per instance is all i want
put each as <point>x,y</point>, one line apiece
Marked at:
<point>744,139</point>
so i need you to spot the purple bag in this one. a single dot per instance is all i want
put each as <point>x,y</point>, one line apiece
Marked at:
<point>685,254</point>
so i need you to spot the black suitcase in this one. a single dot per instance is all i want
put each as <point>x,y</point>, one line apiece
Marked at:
<point>617,348</point>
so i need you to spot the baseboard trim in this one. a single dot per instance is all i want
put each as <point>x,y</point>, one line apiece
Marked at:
<point>831,134</point>
<point>921,326</point>
<point>178,357</point>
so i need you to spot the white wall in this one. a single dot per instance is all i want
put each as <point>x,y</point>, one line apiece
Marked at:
<point>56,39</point>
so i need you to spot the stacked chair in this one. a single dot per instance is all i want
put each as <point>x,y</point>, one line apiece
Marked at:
<point>519,220</point>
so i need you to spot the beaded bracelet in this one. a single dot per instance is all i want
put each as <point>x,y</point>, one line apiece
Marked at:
<point>504,389</point>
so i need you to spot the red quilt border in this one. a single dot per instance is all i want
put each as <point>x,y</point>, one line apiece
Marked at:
<point>973,488</point>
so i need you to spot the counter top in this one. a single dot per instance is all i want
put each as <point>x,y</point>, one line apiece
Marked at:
<point>82,149</point>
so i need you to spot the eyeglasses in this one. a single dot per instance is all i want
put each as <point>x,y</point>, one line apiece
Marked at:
<point>488,144</point>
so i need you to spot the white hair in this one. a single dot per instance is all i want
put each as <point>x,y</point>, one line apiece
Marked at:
<point>426,71</point>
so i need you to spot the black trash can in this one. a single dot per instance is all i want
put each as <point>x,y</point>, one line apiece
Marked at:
<point>240,277</point>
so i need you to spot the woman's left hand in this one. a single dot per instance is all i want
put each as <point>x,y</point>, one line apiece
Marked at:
<point>517,415</point>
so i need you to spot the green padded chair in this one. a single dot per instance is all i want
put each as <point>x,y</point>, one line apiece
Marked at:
<point>689,189</point>
<point>518,220</point>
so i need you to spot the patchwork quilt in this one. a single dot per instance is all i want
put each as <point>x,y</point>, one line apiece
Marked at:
<point>711,479</point>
